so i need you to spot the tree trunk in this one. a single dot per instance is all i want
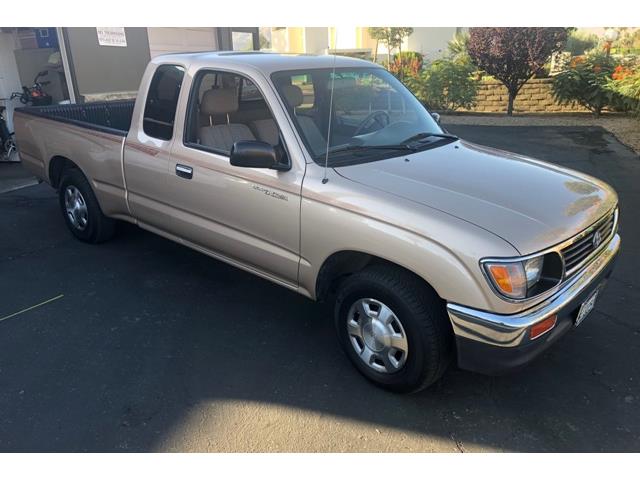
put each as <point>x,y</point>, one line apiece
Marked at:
<point>401,72</point>
<point>512,97</point>
<point>375,53</point>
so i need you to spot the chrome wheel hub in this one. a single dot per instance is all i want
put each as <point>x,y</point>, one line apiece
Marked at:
<point>377,336</point>
<point>76,208</point>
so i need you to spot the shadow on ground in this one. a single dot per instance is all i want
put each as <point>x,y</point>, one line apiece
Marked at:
<point>149,332</point>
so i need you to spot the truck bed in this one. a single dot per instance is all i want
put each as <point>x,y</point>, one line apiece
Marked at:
<point>110,117</point>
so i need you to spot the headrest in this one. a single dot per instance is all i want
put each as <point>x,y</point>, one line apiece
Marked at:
<point>292,95</point>
<point>219,101</point>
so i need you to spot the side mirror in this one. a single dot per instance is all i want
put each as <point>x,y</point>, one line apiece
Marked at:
<point>255,154</point>
<point>436,117</point>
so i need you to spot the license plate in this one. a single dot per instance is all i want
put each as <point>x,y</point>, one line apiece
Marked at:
<point>586,307</point>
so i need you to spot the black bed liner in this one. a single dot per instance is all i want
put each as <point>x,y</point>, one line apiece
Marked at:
<point>112,117</point>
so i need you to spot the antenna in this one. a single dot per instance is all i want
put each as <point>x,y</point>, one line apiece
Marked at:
<point>333,79</point>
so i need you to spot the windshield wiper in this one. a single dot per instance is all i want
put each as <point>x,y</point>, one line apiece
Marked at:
<point>421,135</point>
<point>361,148</point>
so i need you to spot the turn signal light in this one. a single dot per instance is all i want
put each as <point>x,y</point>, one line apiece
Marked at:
<point>543,326</point>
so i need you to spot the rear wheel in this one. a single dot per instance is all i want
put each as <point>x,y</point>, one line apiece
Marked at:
<point>81,210</point>
<point>10,150</point>
<point>394,328</point>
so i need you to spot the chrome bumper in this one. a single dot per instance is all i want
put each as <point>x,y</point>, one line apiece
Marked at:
<point>497,330</point>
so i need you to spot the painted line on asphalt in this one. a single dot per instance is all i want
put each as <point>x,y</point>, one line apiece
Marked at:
<point>31,308</point>
<point>28,183</point>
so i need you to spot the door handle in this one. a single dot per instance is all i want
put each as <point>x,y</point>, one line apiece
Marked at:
<point>184,171</point>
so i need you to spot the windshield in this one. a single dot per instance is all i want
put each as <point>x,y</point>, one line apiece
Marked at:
<point>373,115</point>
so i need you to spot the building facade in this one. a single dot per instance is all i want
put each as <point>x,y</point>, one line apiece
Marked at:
<point>428,41</point>
<point>88,64</point>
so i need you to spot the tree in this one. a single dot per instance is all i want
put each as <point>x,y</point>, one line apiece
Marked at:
<point>513,55</point>
<point>390,37</point>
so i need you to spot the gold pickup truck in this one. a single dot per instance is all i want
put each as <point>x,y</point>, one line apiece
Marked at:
<point>326,175</point>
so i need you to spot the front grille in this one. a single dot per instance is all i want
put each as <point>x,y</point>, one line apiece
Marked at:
<point>576,253</point>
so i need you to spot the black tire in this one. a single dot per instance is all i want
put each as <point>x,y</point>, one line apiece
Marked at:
<point>422,314</point>
<point>98,228</point>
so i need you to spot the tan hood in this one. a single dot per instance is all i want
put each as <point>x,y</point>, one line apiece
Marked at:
<point>529,203</point>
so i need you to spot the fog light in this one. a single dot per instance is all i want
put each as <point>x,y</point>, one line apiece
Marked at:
<point>542,327</point>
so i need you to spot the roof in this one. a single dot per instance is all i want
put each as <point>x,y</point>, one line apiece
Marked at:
<point>263,61</point>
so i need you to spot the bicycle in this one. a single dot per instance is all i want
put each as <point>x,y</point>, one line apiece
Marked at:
<point>8,149</point>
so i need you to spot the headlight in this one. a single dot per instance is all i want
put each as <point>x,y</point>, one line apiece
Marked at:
<point>519,279</point>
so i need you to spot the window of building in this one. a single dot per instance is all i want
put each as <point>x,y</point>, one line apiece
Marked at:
<point>162,101</point>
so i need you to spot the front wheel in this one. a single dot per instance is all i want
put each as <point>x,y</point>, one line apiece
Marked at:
<point>394,328</point>
<point>81,210</point>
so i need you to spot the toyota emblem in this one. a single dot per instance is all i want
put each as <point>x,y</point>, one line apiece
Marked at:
<point>597,239</point>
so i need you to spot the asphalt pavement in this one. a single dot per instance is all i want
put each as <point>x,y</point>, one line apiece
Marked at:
<point>141,344</point>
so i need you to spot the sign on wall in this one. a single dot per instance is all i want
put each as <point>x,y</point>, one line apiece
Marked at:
<point>111,36</point>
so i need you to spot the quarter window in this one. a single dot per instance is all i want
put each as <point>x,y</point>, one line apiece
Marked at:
<point>162,100</point>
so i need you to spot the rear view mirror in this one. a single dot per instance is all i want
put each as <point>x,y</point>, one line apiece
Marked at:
<point>255,154</point>
<point>436,117</point>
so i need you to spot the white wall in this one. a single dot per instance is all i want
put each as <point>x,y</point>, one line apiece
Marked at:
<point>9,79</point>
<point>316,39</point>
<point>429,41</point>
<point>170,40</point>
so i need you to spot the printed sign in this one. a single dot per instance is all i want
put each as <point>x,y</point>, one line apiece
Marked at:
<point>111,36</point>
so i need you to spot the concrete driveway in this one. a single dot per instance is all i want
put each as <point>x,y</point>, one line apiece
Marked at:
<point>153,347</point>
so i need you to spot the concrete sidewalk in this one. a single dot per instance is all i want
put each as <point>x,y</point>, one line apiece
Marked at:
<point>14,176</point>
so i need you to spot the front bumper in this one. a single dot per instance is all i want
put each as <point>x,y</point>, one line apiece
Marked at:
<point>492,344</point>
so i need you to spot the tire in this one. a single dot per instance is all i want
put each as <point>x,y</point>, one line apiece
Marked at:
<point>418,315</point>
<point>86,222</point>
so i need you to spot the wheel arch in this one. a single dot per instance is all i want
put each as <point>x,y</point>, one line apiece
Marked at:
<point>57,165</point>
<point>339,265</point>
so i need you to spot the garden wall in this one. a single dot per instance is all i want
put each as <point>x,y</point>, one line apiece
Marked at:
<point>534,96</point>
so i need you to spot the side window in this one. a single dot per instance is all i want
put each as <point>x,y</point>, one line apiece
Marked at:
<point>225,108</point>
<point>162,100</point>
<point>249,91</point>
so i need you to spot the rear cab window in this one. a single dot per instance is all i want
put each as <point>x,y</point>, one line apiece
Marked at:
<point>162,101</point>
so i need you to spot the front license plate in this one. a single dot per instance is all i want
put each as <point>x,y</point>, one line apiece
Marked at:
<point>586,307</point>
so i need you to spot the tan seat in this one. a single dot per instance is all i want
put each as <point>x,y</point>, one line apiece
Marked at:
<point>267,129</point>
<point>294,97</point>
<point>222,101</point>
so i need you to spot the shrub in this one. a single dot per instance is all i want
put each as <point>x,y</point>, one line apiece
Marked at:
<point>585,81</point>
<point>580,42</point>
<point>625,83</point>
<point>446,85</point>
<point>457,47</point>
<point>406,64</point>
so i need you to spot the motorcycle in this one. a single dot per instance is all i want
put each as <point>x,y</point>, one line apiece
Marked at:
<point>35,95</point>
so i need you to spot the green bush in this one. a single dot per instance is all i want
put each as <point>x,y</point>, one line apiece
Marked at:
<point>585,81</point>
<point>446,85</point>
<point>457,47</point>
<point>579,42</point>
<point>625,83</point>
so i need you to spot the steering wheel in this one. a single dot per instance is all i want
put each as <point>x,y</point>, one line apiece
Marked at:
<point>378,115</point>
